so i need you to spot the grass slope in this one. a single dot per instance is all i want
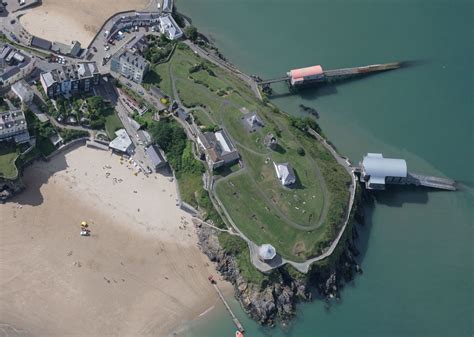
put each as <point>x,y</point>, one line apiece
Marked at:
<point>112,124</point>
<point>8,156</point>
<point>299,221</point>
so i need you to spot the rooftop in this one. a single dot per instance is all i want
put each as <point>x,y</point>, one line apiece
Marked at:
<point>133,59</point>
<point>252,122</point>
<point>155,156</point>
<point>70,72</point>
<point>22,89</point>
<point>12,61</point>
<point>305,72</point>
<point>285,173</point>
<point>219,141</point>
<point>40,43</point>
<point>170,27</point>
<point>66,49</point>
<point>122,142</point>
<point>376,166</point>
<point>12,122</point>
<point>266,251</point>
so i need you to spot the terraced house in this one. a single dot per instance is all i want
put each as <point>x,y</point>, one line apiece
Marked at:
<point>71,79</point>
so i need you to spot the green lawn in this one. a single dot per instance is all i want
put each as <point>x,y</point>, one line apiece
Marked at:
<point>112,124</point>
<point>8,156</point>
<point>202,118</point>
<point>299,221</point>
<point>161,78</point>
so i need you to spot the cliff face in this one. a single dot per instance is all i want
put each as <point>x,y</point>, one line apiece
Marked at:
<point>278,298</point>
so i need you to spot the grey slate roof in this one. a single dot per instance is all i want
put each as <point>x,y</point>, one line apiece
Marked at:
<point>41,43</point>
<point>155,156</point>
<point>133,59</point>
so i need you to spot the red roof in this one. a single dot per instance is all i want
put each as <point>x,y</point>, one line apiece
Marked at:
<point>303,72</point>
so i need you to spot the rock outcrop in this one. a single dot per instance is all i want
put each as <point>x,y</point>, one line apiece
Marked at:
<point>276,299</point>
<point>8,188</point>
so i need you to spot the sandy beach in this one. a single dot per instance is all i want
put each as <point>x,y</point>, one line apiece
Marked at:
<point>140,273</point>
<point>65,21</point>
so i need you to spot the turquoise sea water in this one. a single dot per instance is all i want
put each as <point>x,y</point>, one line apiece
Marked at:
<point>417,245</point>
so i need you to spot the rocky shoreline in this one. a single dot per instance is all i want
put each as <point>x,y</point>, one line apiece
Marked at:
<point>276,301</point>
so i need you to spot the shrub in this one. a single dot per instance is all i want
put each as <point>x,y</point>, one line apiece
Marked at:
<point>191,33</point>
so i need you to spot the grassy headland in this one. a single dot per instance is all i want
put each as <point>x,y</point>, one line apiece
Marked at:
<point>299,221</point>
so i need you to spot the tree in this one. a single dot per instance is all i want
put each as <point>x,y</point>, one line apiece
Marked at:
<point>304,123</point>
<point>191,33</point>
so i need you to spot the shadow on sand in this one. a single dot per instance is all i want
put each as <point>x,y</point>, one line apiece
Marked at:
<point>34,178</point>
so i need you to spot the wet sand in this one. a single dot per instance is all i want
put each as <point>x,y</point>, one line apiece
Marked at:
<point>140,273</point>
<point>65,21</point>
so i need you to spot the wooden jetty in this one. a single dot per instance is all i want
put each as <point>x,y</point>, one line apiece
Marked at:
<point>432,182</point>
<point>316,74</point>
<point>347,72</point>
<point>232,315</point>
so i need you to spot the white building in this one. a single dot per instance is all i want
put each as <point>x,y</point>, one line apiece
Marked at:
<point>23,91</point>
<point>266,252</point>
<point>285,173</point>
<point>376,171</point>
<point>169,27</point>
<point>130,65</point>
<point>122,143</point>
